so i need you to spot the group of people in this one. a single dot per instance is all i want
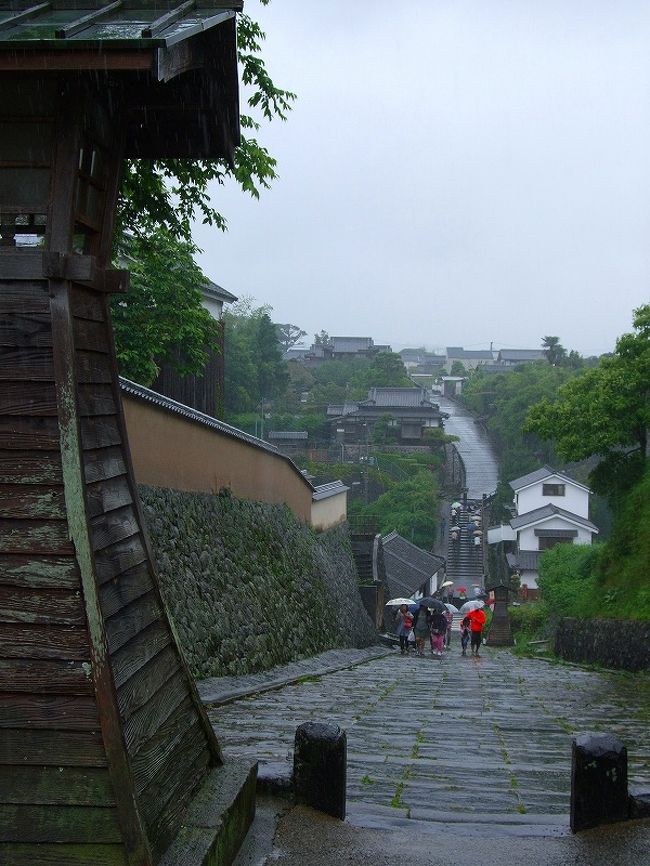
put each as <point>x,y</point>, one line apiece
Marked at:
<point>435,626</point>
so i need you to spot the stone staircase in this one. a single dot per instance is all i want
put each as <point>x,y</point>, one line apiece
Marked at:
<point>464,561</point>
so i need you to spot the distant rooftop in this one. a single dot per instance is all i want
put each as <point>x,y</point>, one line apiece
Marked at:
<point>540,475</point>
<point>457,353</point>
<point>547,511</point>
<point>514,355</point>
<point>398,397</point>
<point>217,293</point>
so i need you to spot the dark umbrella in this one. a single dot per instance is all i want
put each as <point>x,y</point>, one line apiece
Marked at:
<point>434,603</point>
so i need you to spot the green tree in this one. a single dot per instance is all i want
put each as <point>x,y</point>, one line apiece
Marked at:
<point>458,369</point>
<point>385,370</point>
<point>289,335</point>
<point>554,350</point>
<point>604,411</point>
<point>161,320</point>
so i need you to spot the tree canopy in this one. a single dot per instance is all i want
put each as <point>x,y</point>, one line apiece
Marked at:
<point>604,411</point>
<point>161,320</point>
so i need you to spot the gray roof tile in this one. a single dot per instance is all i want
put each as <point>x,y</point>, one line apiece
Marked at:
<point>550,510</point>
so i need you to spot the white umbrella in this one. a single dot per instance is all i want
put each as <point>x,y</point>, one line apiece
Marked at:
<point>398,602</point>
<point>447,583</point>
<point>451,607</point>
<point>472,605</point>
<point>455,505</point>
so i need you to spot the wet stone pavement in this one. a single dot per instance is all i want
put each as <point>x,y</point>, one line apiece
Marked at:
<point>458,740</point>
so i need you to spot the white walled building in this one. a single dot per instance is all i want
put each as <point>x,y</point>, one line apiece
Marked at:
<point>552,508</point>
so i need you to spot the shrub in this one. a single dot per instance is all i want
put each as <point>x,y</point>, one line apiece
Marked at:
<point>568,576</point>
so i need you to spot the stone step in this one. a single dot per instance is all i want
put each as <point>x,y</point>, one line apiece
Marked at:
<point>218,818</point>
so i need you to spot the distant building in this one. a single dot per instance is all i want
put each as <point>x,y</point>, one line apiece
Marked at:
<point>409,412</point>
<point>469,358</point>
<point>421,361</point>
<point>513,357</point>
<point>288,440</point>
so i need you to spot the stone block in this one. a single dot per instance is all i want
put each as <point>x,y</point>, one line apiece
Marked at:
<point>320,767</point>
<point>599,792</point>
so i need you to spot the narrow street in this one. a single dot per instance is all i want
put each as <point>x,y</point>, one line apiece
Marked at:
<point>474,741</point>
<point>474,447</point>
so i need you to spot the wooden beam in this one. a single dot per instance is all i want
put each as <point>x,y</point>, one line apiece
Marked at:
<point>25,59</point>
<point>163,21</point>
<point>85,21</point>
<point>25,15</point>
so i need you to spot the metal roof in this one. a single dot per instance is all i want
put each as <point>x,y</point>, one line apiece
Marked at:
<point>541,475</point>
<point>149,396</point>
<point>87,24</point>
<point>547,511</point>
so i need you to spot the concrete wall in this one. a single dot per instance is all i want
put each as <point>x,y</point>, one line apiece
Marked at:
<point>174,452</point>
<point>575,500</point>
<point>613,643</point>
<point>329,512</point>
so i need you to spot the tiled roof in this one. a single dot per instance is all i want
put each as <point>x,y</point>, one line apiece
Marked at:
<point>324,491</point>
<point>457,353</point>
<point>398,397</point>
<point>520,355</point>
<point>407,565</point>
<point>288,434</point>
<point>540,475</point>
<point>547,511</point>
<point>525,560</point>
<point>149,396</point>
<point>337,410</point>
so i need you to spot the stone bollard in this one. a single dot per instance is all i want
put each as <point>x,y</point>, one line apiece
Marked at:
<point>319,767</point>
<point>598,781</point>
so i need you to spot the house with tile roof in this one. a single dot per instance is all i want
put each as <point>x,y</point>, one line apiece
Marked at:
<point>513,357</point>
<point>469,358</point>
<point>408,411</point>
<point>552,508</point>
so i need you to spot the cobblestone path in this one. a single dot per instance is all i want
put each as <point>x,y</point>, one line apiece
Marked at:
<point>458,740</point>
<point>473,446</point>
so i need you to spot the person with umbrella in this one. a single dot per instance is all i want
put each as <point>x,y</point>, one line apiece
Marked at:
<point>476,618</point>
<point>438,628</point>
<point>421,627</point>
<point>404,621</point>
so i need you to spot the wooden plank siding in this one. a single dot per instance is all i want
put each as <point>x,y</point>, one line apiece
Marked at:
<point>161,723</point>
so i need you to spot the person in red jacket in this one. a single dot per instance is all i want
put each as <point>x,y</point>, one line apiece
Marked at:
<point>476,624</point>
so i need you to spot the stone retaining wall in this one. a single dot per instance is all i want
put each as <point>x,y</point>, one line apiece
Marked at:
<point>613,643</point>
<point>249,586</point>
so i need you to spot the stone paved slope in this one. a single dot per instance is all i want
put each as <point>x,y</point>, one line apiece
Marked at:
<point>478,742</point>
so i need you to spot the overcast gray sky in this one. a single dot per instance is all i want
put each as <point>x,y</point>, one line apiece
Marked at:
<point>454,172</point>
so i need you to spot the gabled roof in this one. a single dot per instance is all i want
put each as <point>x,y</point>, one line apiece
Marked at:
<point>338,410</point>
<point>547,511</point>
<point>407,565</point>
<point>541,475</point>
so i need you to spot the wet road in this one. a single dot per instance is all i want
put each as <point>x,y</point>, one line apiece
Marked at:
<point>474,447</point>
<point>465,742</point>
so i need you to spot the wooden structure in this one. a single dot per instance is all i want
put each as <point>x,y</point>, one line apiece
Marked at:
<point>103,740</point>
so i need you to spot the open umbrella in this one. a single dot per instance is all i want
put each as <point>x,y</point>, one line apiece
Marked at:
<point>451,607</point>
<point>455,505</point>
<point>430,601</point>
<point>446,583</point>
<point>472,605</point>
<point>398,602</point>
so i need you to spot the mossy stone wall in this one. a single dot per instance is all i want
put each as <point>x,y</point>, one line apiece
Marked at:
<point>612,643</point>
<point>248,585</point>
